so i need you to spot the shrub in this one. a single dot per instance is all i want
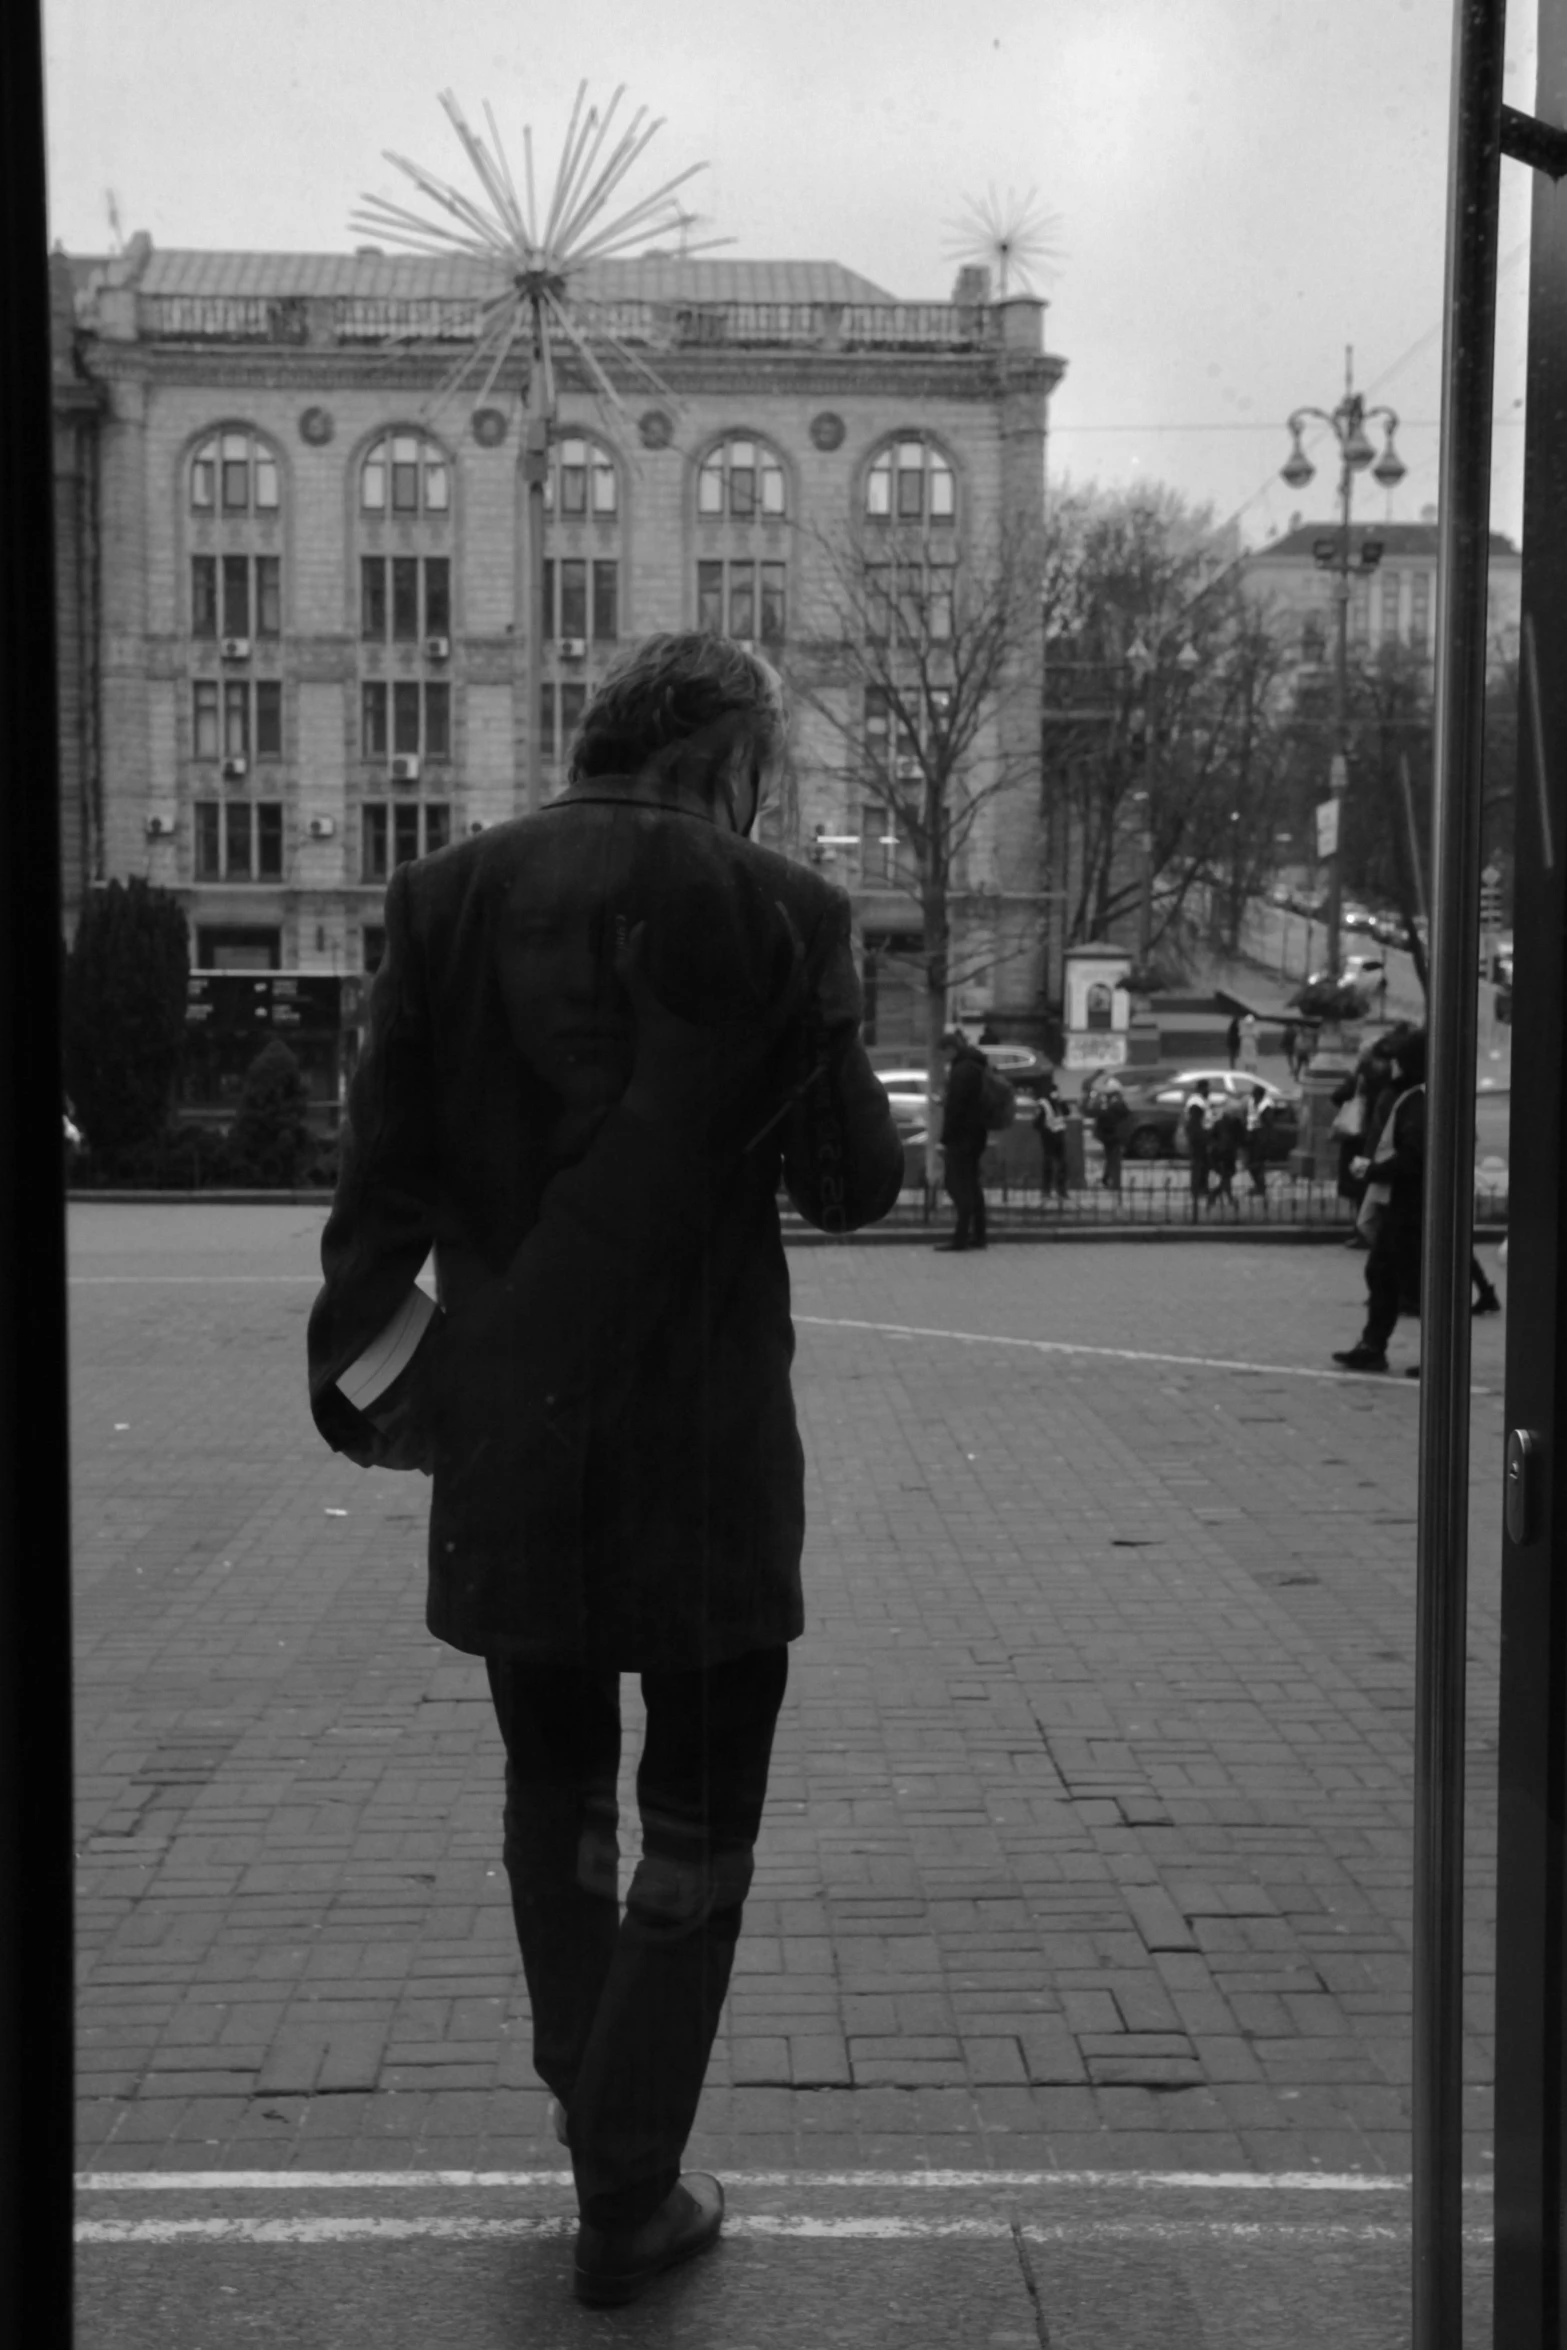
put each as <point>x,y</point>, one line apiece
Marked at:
<point>124,1014</point>
<point>270,1139</point>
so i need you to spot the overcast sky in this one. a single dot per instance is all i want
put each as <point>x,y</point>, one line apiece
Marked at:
<point>1240,188</point>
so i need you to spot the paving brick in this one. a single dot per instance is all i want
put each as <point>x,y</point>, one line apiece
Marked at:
<point>1037,1812</point>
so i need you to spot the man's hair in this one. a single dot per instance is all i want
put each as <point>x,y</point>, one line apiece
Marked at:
<point>672,692</point>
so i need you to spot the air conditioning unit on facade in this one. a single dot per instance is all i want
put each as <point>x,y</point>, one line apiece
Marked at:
<point>573,648</point>
<point>235,648</point>
<point>159,827</point>
<point>321,828</point>
<point>235,770</point>
<point>437,648</point>
<point>405,769</point>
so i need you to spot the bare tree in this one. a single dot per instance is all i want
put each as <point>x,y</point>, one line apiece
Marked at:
<point>1165,754</point>
<point>921,661</point>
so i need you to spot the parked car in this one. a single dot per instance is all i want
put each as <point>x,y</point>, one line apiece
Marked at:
<point>1355,916</point>
<point>908,1086</point>
<point>1157,1130</point>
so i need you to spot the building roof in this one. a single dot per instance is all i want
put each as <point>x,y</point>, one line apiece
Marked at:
<point>417,276</point>
<point>1398,538</point>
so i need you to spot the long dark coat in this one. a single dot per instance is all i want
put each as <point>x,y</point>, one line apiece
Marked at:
<point>617,1470</point>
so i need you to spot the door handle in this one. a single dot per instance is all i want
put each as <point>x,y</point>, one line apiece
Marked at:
<point>1522,1484</point>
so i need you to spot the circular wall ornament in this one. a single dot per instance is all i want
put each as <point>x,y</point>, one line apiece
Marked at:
<point>827,430</point>
<point>316,427</point>
<point>656,429</point>
<point>489,427</point>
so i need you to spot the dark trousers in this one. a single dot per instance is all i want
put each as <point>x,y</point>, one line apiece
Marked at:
<point>1053,1150</point>
<point>1112,1173</point>
<point>1392,1274</point>
<point>1199,1172</point>
<point>964,1189</point>
<point>625,2007</point>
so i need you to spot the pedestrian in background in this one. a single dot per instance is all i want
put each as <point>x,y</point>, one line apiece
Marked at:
<point>1395,1185</point>
<point>600,1038</point>
<point>1197,1121</point>
<point>1049,1123</point>
<point>1232,1038</point>
<point>964,1135</point>
<point>1259,1125</point>
<point>1224,1137</point>
<point>1250,1045</point>
<point>1112,1117</point>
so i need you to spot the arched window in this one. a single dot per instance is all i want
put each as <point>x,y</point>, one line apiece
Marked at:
<point>234,472</point>
<point>910,481</point>
<point>403,477</point>
<point>581,480</point>
<point>743,480</point>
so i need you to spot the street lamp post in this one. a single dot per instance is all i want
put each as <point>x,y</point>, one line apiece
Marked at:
<point>1347,423</point>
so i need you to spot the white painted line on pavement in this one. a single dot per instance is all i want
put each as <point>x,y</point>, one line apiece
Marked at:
<point>1116,1354</point>
<point>1308,2182</point>
<point>760,2225</point>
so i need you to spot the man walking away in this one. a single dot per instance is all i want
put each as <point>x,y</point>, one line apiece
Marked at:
<point>1111,1120</point>
<point>964,1134</point>
<point>1197,1119</point>
<point>599,1039</point>
<point>1250,1044</point>
<point>1398,1169</point>
<point>1232,1038</point>
<point>1049,1122</point>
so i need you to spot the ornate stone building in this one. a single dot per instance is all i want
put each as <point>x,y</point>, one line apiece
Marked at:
<point>310,657</point>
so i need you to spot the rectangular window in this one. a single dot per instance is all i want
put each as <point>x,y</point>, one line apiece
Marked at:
<point>549,598</point>
<point>574,479</point>
<point>878,599</point>
<point>203,595</point>
<point>437,596</point>
<point>405,833</point>
<point>911,485</point>
<point>236,595</point>
<point>772,603</point>
<point>266,483</point>
<point>938,603</point>
<point>204,742</point>
<point>573,597</point>
<point>875,852</point>
<point>405,599</point>
<point>269,840</point>
<point>1359,611</point>
<point>236,841</point>
<point>573,701</point>
<point>1419,609</point>
<point>209,815</point>
<point>269,596</point>
<point>405,716</point>
<point>742,481</point>
<point>405,476</point>
<point>710,598</point>
<point>372,598</point>
<point>547,721</point>
<point>269,718</point>
<point>236,719</point>
<point>438,721</point>
<point>236,474</point>
<point>742,599</point>
<point>606,602</point>
<point>877,724</point>
<point>437,827</point>
<point>373,862</point>
<point>201,485</point>
<point>1392,582</point>
<point>373,721</point>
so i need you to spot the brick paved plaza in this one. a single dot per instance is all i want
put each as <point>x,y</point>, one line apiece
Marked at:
<point>1087,1855</point>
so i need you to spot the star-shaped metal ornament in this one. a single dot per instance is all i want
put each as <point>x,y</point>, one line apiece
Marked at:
<point>1011,238</point>
<point>537,258</point>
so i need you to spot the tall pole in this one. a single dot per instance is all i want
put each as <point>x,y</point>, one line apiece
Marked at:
<point>1338,770</point>
<point>1441,1578</point>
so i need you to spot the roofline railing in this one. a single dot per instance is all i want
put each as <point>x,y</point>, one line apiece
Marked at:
<point>375,319</point>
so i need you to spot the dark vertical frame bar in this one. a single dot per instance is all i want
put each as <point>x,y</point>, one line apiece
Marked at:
<point>1531,2048</point>
<point>36,1946</point>
<point>1479,28</point>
